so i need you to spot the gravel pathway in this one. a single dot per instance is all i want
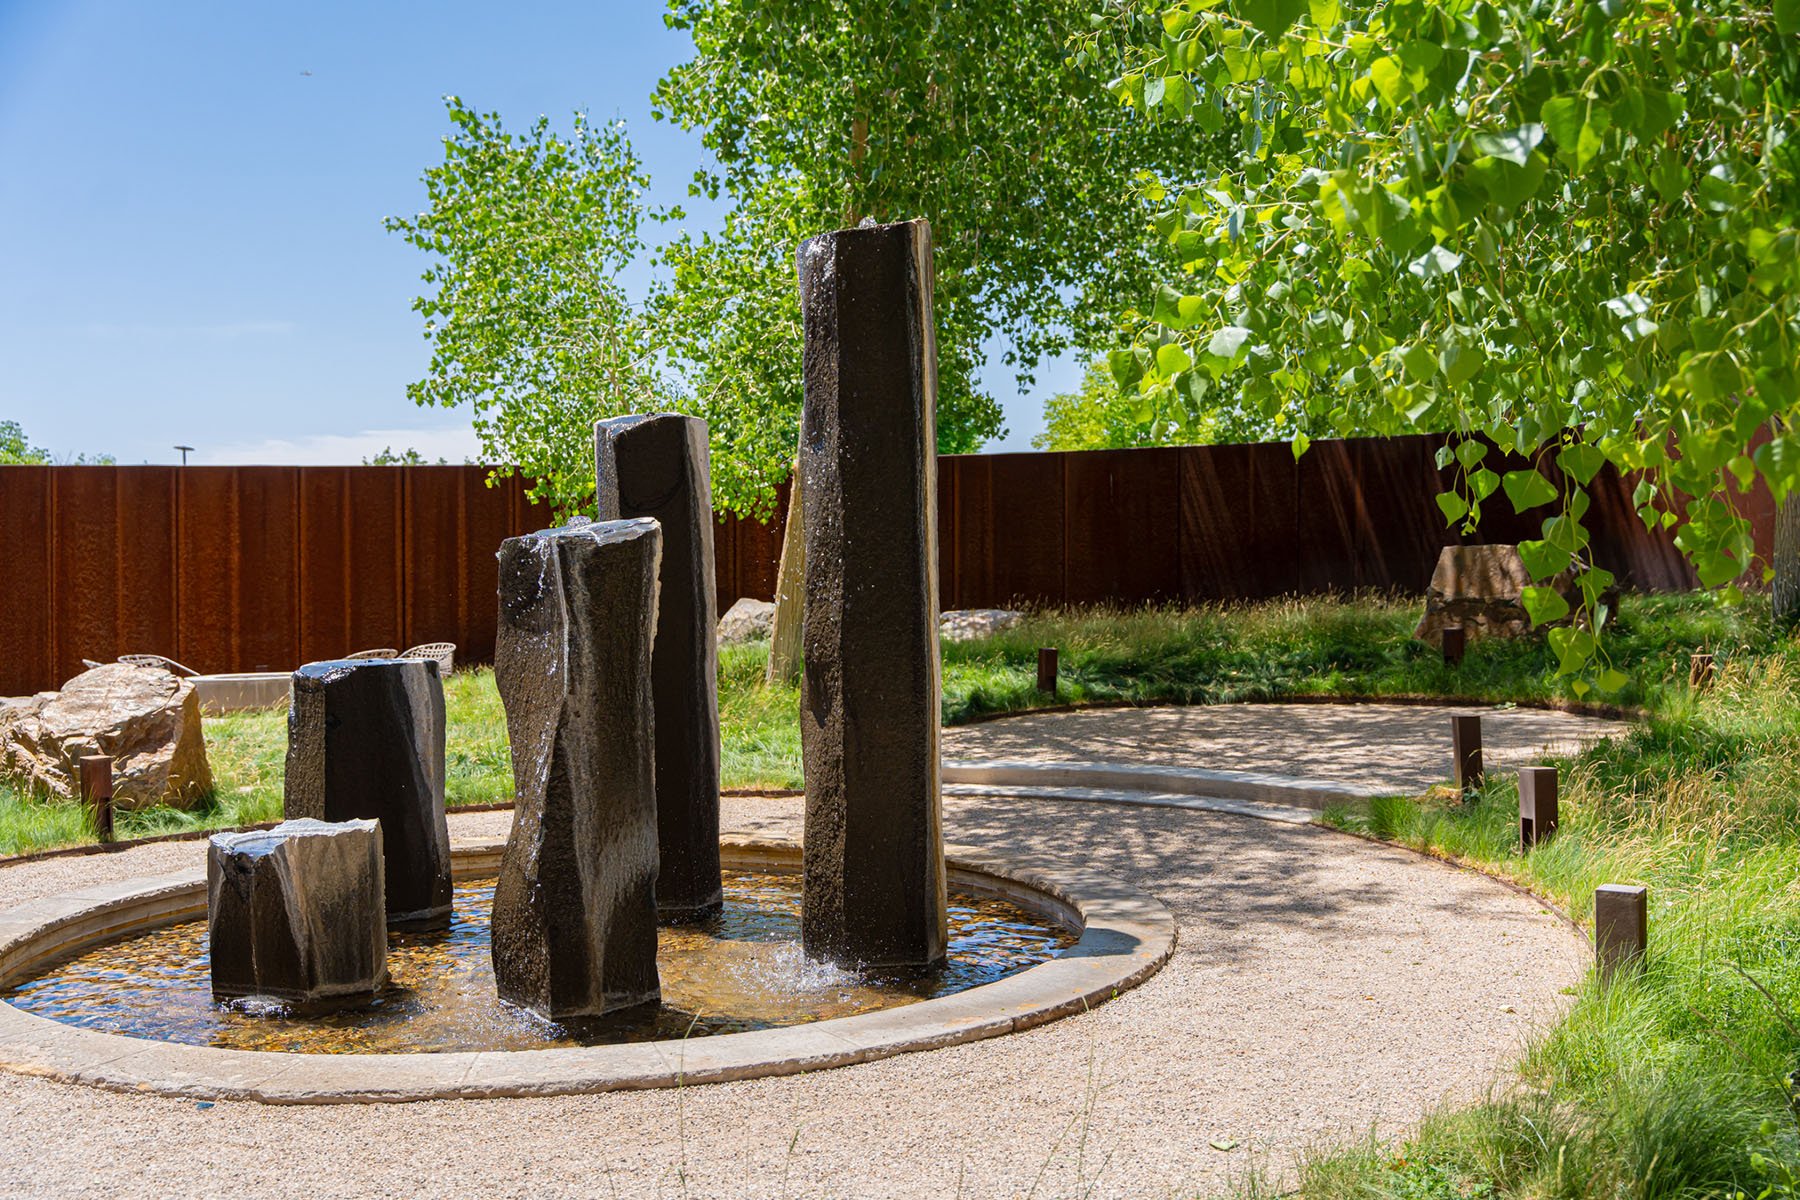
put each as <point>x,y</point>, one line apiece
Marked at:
<point>1401,748</point>
<point>1323,986</point>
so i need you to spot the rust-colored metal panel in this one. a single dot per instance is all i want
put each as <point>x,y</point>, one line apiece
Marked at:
<point>324,586</point>
<point>374,522</point>
<point>1398,526</point>
<point>487,523</point>
<point>1331,516</point>
<point>1027,538</point>
<point>85,553</point>
<point>1237,532</point>
<point>436,546</point>
<point>267,608</point>
<point>27,595</point>
<point>950,472</point>
<point>207,567</point>
<point>148,618</point>
<point>1121,516</point>
<point>966,534</point>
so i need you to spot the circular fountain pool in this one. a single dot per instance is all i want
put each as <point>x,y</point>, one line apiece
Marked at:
<point>1121,936</point>
<point>742,970</point>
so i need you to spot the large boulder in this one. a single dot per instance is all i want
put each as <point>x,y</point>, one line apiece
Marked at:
<point>969,624</point>
<point>749,620</point>
<point>147,720</point>
<point>1481,588</point>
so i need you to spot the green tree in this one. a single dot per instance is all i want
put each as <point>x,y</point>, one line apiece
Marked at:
<point>1568,225</point>
<point>16,449</point>
<point>527,321</point>
<point>822,113</point>
<point>1104,416</point>
<point>409,457</point>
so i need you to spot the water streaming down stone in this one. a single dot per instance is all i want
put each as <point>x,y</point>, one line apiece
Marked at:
<point>874,854</point>
<point>658,466</point>
<point>295,914</point>
<point>574,920</point>
<point>366,741</point>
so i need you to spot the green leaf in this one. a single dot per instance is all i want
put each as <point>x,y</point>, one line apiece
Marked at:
<point>1389,80</point>
<point>1669,176</point>
<point>1172,360</point>
<point>1513,146</point>
<point>1564,117</point>
<point>1483,483</point>
<point>1787,16</point>
<point>1125,368</point>
<point>1325,14</point>
<point>1435,263</point>
<point>1542,559</point>
<point>1507,185</point>
<point>1453,506</point>
<point>1299,445</point>
<point>1272,17</point>
<point>1228,342</point>
<point>1469,451</point>
<point>1420,362</point>
<point>1612,680</point>
<point>1543,604</point>
<point>1460,361</point>
<point>1223,1143</point>
<point>1528,489</point>
<point>1581,461</point>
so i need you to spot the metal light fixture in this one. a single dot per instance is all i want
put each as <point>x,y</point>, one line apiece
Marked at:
<point>184,453</point>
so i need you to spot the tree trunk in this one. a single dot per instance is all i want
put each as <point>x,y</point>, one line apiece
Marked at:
<point>1787,561</point>
<point>784,636</point>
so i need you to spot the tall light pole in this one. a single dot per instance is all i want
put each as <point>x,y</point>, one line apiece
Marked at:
<point>184,453</point>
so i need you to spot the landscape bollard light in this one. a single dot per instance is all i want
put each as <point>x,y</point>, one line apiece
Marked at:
<point>97,792</point>
<point>1700,671</point>
<point>1456,640</point>
<point>1465,749</point>
<point>1537,805</point>
<point>1047,669</point>
<point>1621,927</point>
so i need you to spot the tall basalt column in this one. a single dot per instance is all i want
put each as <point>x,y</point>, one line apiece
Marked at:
<point>657,466</point>
<point>874,852</point>
<point>366,741</point>
<point>574,925</point>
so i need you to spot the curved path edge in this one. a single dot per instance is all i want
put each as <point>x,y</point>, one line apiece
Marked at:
<point>1126,936</point>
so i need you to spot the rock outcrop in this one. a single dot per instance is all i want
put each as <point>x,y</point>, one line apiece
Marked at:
<point>147,720</point>
<point>749,620</point>
<point>967,624</point>
<point>1481,588</point>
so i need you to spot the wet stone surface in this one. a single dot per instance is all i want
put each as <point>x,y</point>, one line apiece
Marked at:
<point>742,969</point>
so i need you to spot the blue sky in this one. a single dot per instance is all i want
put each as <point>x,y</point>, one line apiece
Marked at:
<point>191,198</point>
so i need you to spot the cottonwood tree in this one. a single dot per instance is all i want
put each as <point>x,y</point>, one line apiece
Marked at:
<point>527,320</point>
<point>1570,226</point>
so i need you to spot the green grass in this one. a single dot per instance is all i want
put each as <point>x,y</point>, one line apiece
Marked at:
<point>1323,646</point>
<point>1667,1082</point>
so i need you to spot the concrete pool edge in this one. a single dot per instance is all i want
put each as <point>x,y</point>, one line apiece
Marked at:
<point>1126,935</point>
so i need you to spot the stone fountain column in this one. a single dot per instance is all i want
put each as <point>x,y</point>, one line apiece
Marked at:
<point>296,914</point>
<point>574,925</point>
<point>366,741</point>
<point>657,466</point>
<point>874,847</point>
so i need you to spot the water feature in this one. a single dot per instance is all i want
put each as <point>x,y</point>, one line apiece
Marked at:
<point>742,969</point>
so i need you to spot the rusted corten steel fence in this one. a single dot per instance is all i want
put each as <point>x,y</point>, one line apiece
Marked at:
<point>264,568</point>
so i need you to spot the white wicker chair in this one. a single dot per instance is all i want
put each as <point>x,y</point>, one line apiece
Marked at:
<point>374,654</point>
<point>443,652</point>
<point>157,660</point>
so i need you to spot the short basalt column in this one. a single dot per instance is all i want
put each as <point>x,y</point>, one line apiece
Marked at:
<point>366,742</point>
<point>874,856</point>
<point>295,914</point>
<point>574,924</point>
<point>657,466</point>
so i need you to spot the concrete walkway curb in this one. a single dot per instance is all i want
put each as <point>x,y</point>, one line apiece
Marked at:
<point>1283,813</point>
<point>1126,936</point>
<point>1279,791</point>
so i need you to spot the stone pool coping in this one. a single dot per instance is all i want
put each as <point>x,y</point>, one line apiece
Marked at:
<point>1126,936</point>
